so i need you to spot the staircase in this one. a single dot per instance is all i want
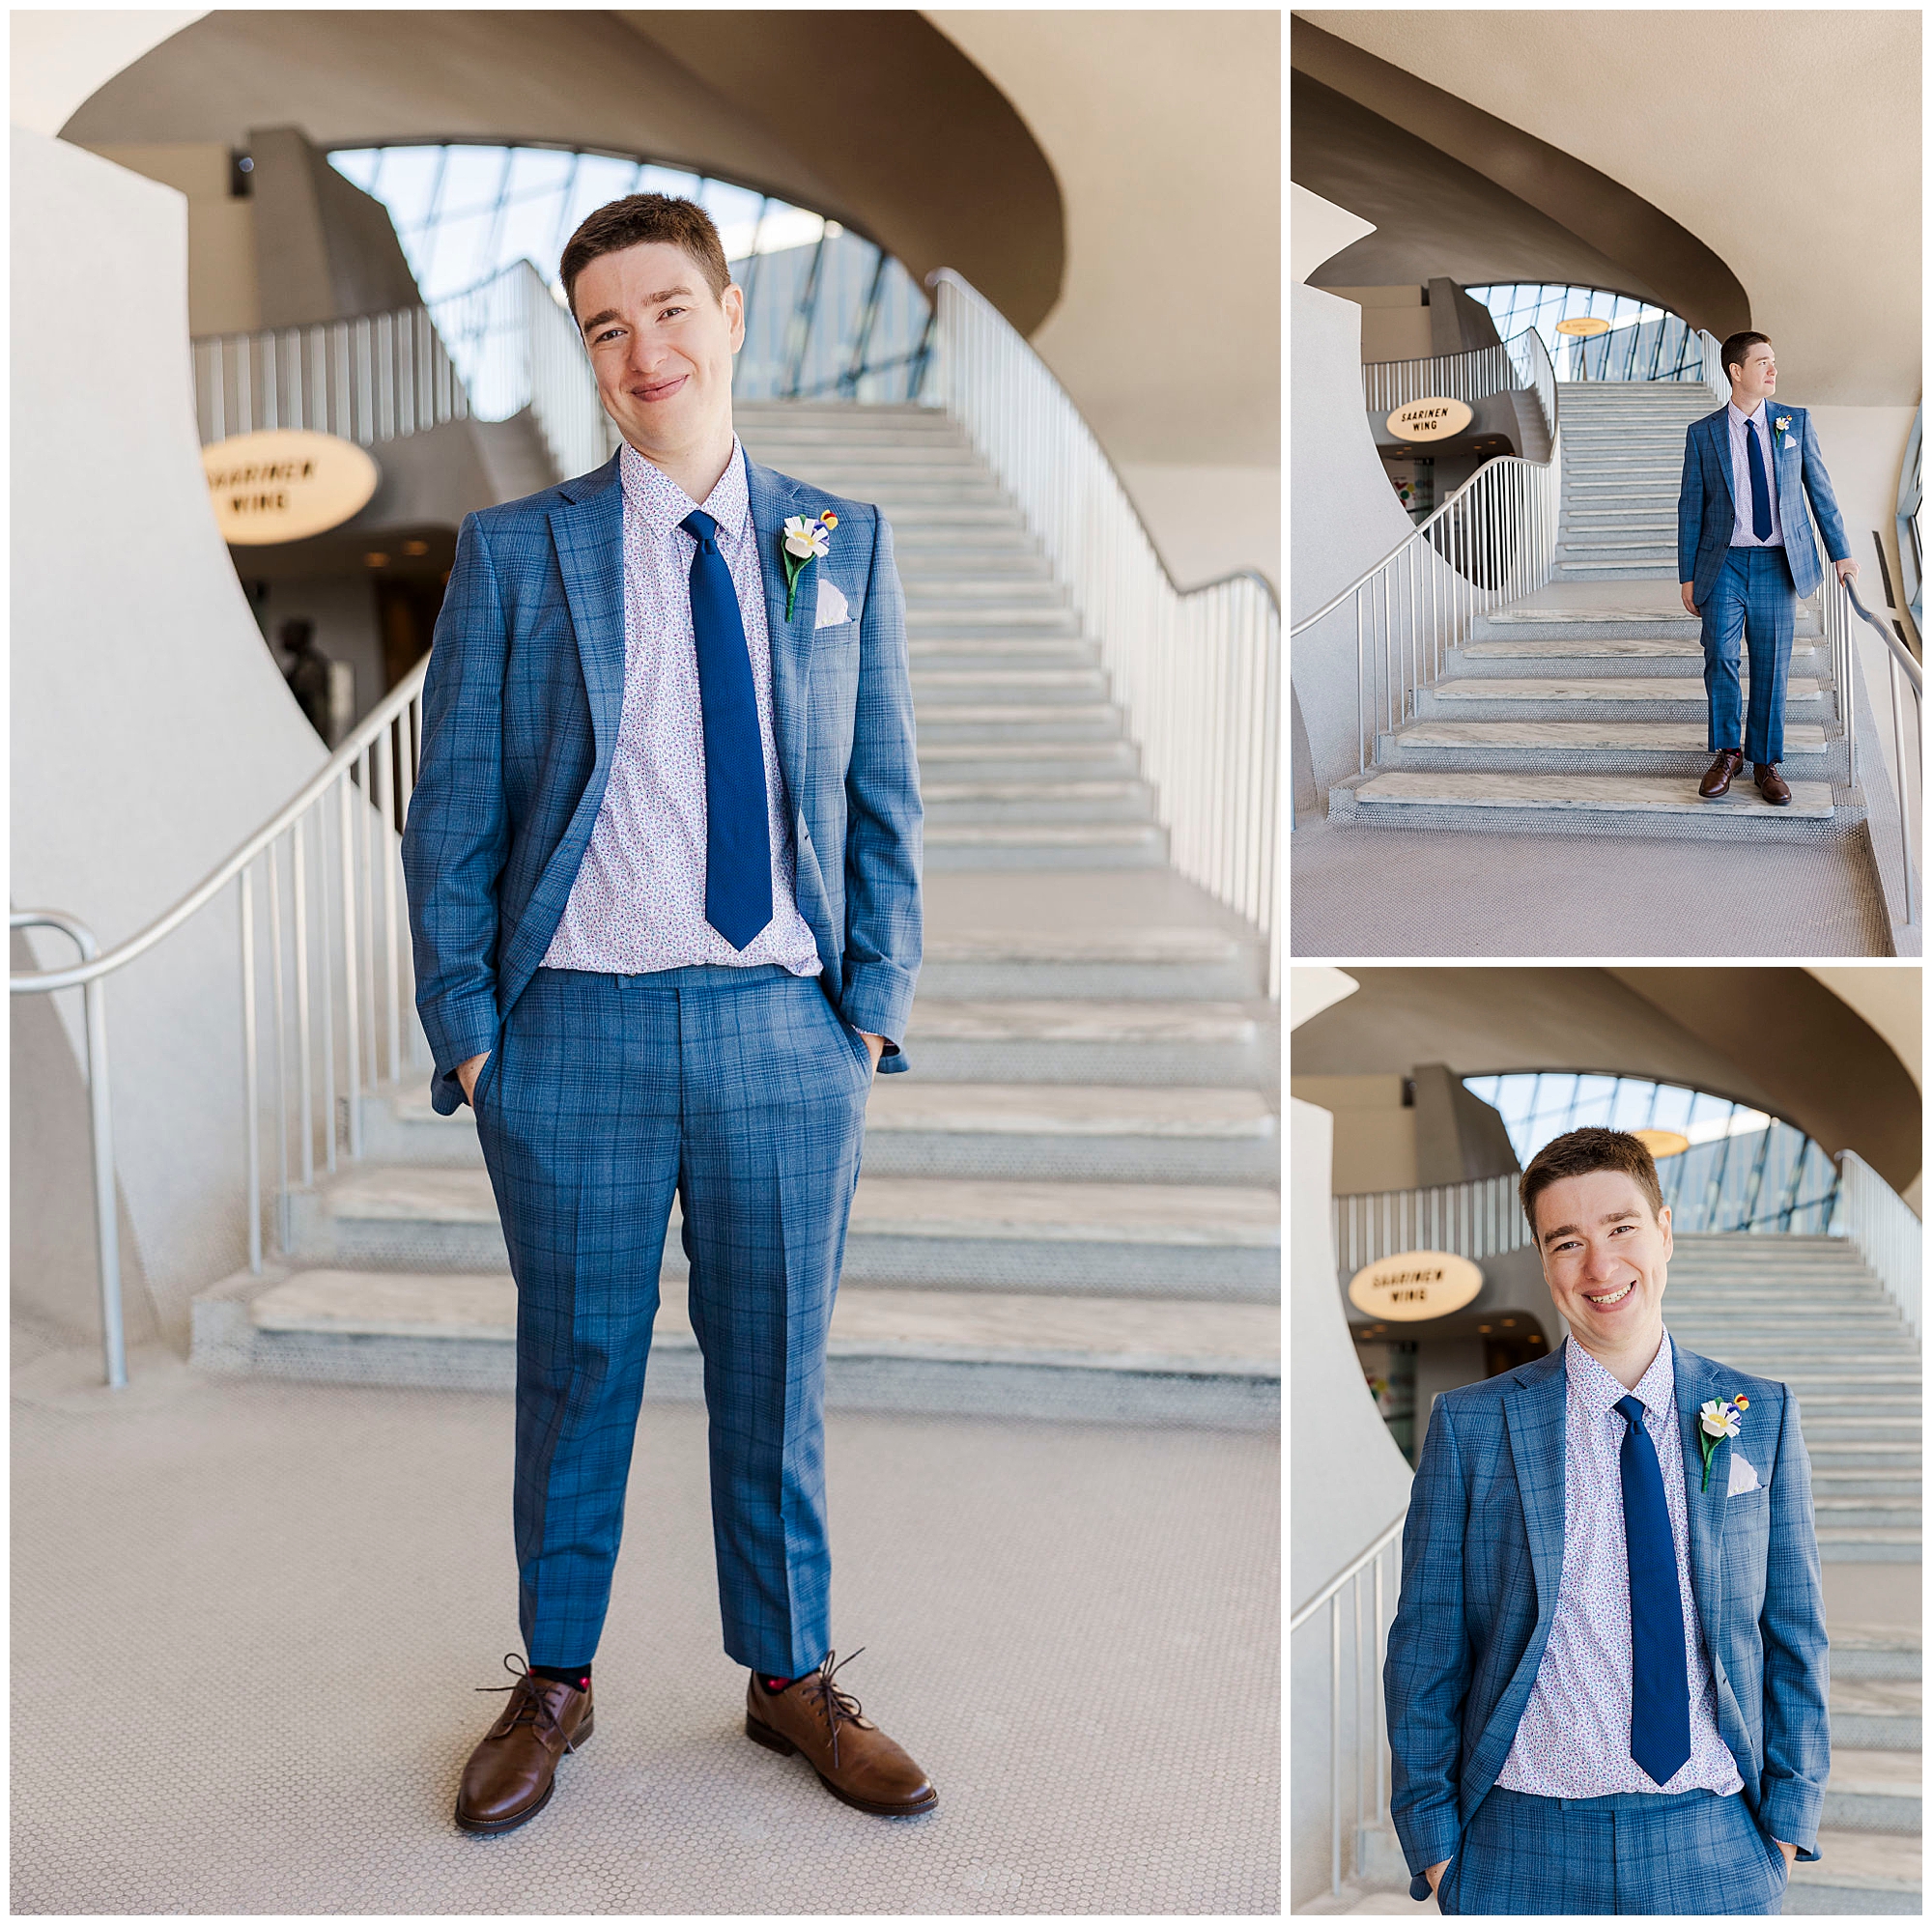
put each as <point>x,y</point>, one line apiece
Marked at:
<point>1806,1311</point>
<point>1071,1207</point>
<point>1580,707</point>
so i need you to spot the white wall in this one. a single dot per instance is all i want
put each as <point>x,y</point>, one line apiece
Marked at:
<point>1347,1482</point>
<point>1210,522</point>
<point>1345,518</point>
<point>151,729</point>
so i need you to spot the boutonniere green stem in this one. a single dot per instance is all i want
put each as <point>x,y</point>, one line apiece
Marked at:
<point>1717,1421</point>
<point>800,545</point>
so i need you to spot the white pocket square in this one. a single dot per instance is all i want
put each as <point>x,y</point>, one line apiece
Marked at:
<point>1788,442</point>
<point>1743,1476</point>
<point>832,605</point>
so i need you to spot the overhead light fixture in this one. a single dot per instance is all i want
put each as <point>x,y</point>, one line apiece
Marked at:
<point>415,548</point>
<point>376,558</point>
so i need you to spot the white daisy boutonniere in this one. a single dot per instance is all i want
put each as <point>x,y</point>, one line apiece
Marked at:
<point>800,545</point>
<point>1718,1420</point>
<point>1783,426</point>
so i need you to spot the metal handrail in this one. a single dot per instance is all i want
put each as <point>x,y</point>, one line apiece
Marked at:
<point>1883,1227</point>
<point>1495,539</point>
<point>1472,375</point>
<point>365,733</point>
<point>378,759</point>
<point>1195,674</point>
<point>1369,1733</point>
<point>100,1112</point>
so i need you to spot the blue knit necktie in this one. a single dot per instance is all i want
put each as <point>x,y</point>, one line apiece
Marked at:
<point>1760,486</point>
<point>737,838</point>
<point>1660,1684</point>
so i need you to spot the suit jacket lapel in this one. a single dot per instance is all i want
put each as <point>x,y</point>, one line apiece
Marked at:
<point>1720,434</point>
<point>791,641</point>
<point>1536,1412</point>
<point>589,536</point>
<point>1696,1381</point>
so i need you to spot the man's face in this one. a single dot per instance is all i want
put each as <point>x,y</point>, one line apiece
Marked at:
<point>1605,1259</point>
<point>661,345</point>
<point>1759,376</point>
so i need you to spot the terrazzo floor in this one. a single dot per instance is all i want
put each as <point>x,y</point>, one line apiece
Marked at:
<point>251,1620</point>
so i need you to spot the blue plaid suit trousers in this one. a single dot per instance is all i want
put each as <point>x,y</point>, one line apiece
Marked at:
<point>742,1091</point>
<point>1682,1853</point>
<point>1753,602</point>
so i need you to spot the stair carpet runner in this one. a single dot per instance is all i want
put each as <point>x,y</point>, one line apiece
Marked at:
<point>1071,1207</point>
<point>1581,706</point>
<point>1804,1311</point>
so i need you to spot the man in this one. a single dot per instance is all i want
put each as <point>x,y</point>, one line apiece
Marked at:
<point>1744,554</point>
<point>664,873</point>
<point>1607,1674</point>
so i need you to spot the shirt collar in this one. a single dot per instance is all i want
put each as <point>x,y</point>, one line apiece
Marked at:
<point>649,492</point>
<point>1738,413</point>
<point>1600,1392</point>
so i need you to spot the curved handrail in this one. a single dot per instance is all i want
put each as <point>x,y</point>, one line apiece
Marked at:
<point>367,731</point>
<point>1420,529</point>
<point>959,281</point>
<point>1341,1577</point>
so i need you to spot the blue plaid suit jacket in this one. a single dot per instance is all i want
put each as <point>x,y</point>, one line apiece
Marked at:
<point>1706,510</point>
<point>1482,1558</point>
<point>520,708</point>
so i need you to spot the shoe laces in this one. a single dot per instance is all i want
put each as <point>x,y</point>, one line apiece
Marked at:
<point>835,1703</point>
<point>536,1705</point>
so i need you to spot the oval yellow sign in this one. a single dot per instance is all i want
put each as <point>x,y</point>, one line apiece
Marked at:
<point>1433,420</point>
<point>1414,1285</point>
<point>1663,1143</point>
<point>284,484</point>
<point>1583,324</point>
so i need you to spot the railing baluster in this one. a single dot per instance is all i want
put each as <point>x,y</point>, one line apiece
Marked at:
<point>251,1094</point>
<point>304,1068</point>
<point>352,1026</point>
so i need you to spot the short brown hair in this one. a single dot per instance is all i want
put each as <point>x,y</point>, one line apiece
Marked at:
<point>635,220</point>
<point>1737,346</point>
<point>1576,1153</point>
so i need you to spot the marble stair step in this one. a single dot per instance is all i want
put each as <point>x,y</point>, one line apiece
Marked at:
<point>1091,1357</point>
<point>1801,738</point>
<point>1848,1513</point>
<point>1876,1713</point>
<point>952,848</point>
<point>1159,964</point>
<point>1599,688</point>
<point>1876,1651</point>
<point>1663,795</point>
<point>1091,1132</point>
<point>1163,1043</point>
<point>1045,761</point>
<point>1013,722</point>
<point>1871,1874</point>
<point>1218,1241</point>
<point>936,688</point>
<point>1873,1789</point>
<point>1062,802</point>
<point>1587,643</point>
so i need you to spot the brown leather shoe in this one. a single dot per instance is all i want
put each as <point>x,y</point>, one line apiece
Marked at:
<point>512,1772</point>
<point>1718,777</point>
<point>854,1758</point>
<point>1771,785</point>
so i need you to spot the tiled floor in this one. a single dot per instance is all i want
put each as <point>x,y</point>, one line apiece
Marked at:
<point>250,1619</point>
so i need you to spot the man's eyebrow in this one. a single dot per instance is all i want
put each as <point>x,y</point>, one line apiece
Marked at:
<point>1575,1230</point>
<point>650,300</point>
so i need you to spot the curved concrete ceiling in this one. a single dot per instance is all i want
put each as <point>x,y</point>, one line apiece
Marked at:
<point>1432,216</point>
<point>875,119</point>
<point>1536,195</point>
<point>1775,1039</point>
<point>1804,180</point>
